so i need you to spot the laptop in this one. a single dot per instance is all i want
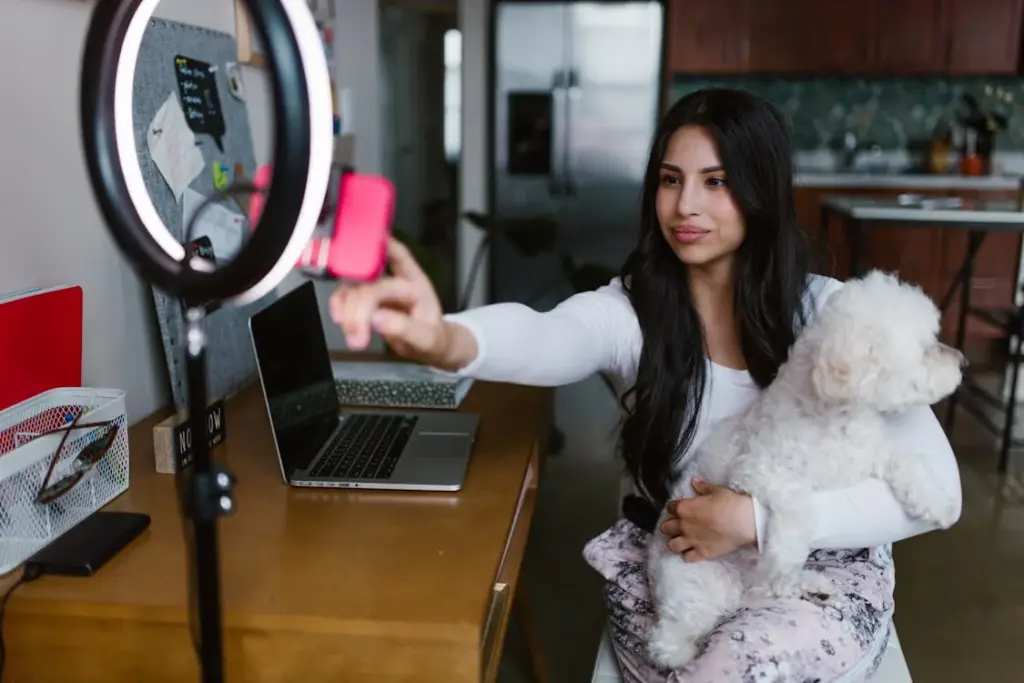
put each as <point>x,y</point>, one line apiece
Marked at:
<point>321,445</point>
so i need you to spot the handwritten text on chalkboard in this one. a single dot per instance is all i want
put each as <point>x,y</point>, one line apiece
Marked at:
<point>200,99</point>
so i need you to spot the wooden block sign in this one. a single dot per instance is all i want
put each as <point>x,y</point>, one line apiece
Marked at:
<point>173,438</point>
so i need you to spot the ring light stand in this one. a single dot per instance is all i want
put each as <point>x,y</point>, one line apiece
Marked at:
<point>302,160</point>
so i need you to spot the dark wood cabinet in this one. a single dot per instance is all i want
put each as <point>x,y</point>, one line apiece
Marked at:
<point>908,37</point>
<point>833,50</point>
<point>985,36</point>
<point>709,37</point>
<point>774,46</point>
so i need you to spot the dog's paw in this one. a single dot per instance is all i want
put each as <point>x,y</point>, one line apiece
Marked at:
<point>669,650</point>
<point>939,510</point>
<point>945,514</point>
<point>777,587</point>
<point>816,583</point>
<point>782,587</point>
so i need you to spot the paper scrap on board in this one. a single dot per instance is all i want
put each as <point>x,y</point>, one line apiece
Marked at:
<point>224,227</point>
<point>172,146</point>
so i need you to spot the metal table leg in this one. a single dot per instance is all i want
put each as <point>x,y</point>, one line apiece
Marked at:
<point>964,278</point>
<point>1011,406</point>
<point>963,275</point>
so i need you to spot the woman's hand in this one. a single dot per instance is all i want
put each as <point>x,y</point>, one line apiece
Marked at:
<point>714,523</point>
<point>404,309</point>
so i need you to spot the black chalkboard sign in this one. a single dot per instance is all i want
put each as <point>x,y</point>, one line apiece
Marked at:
<point>200,100</point>
<point>216,431</point>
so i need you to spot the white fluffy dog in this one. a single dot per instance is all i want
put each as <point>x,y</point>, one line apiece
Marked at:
<point>871,350</point>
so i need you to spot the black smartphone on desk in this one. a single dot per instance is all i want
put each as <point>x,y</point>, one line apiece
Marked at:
<point>88,545</point>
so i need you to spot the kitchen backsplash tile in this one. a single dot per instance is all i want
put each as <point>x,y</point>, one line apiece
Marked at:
<point>895,113</point>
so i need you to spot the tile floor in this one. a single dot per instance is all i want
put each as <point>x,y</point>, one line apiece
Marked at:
<point>960,594</point>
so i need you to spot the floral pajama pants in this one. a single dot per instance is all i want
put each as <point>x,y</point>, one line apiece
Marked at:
<point>808,640</point>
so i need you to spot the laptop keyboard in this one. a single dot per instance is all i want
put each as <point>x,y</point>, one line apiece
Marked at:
<point>367,447</point>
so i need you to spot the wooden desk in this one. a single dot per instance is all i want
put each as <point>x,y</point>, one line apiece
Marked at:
<point>318,585</point>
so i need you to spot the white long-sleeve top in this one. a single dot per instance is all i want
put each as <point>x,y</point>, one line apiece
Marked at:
<point>598,332</point>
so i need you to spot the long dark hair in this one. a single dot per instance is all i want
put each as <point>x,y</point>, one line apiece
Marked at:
<point>771,274</point>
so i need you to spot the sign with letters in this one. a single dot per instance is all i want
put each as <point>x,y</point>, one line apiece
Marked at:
<point>215,426</point>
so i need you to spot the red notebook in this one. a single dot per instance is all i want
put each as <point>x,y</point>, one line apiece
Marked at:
<point>40,342</point>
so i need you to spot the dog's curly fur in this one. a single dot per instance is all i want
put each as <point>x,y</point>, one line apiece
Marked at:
<point>872,349</point>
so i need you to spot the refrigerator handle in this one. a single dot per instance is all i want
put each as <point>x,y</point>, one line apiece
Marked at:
<point>572,94</point>
<point>559,97</point>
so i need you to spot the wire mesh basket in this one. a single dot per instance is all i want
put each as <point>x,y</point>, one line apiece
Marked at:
<point>28,447</point>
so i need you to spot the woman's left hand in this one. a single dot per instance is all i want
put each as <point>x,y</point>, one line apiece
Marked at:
<point>712,524</point>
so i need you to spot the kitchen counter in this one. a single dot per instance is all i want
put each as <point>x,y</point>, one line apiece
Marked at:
<point>993,214</point>
<point>904,181</point>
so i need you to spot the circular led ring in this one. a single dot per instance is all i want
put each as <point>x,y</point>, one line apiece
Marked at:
<point>303,145</point>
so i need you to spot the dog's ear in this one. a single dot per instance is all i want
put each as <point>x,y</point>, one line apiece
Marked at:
<point>845,366</point>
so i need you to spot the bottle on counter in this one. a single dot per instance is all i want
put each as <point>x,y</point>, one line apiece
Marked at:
<point>938,156</point>
<point>939,147</point>
<point>971,162</point>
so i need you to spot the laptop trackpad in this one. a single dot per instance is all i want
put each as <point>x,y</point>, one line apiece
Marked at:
<point>441,444</point>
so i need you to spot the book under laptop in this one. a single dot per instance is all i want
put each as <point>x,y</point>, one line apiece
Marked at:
<point>321,445</point>
<point>398,384</point>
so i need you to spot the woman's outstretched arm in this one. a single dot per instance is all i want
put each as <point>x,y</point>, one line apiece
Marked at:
<point>587,333</point>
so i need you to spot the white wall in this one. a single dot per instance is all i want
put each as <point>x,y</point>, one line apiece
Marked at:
<point>357,51</point>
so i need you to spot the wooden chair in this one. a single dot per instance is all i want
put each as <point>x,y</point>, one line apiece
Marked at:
<point>972,396</point>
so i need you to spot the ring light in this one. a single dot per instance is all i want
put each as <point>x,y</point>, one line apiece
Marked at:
<point>303,146</point>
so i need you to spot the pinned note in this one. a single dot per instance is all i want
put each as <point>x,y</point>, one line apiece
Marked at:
<point>224,227</point>
<point>220,177</point>
<point>172,146</point>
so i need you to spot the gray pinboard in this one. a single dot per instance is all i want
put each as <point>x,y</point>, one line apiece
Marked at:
<point>231,364</point>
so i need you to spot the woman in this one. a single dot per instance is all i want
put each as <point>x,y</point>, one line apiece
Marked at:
<point>702,316</point>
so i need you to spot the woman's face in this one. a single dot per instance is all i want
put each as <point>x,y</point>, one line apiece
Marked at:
<point>696,212</point>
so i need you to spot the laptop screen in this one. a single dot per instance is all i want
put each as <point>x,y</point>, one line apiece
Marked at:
<point>298,382</point>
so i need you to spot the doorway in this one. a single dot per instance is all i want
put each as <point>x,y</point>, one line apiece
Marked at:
<point>421,61</point>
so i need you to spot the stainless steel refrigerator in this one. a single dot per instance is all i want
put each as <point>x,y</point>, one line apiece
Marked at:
<point>576,88</point>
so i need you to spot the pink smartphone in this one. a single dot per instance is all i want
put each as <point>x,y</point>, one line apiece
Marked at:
<point>357,248</point>
<point>362,227</point>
